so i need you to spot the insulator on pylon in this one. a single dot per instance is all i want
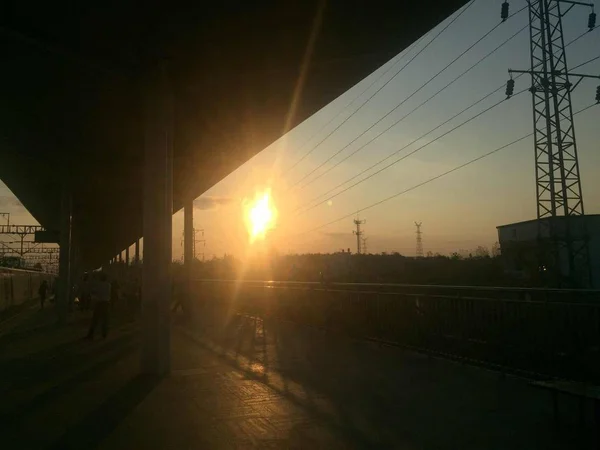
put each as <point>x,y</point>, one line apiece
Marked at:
<point>510,87</point>
<point>598,94</point>
<point>504,11</point>
<point>592,21</point>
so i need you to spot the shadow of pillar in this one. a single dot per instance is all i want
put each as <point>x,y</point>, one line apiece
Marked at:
<point>98,424</point>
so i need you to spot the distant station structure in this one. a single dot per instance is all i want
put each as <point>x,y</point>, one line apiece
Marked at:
<point>531,254</point>
<point>22,253</point>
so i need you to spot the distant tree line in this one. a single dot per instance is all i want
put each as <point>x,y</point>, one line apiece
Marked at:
<point>480,266</point>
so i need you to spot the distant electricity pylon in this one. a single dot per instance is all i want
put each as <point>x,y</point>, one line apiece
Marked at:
<point>358,234</point>
<point>364,245</point>
<point>419,240</point>
<point>558,185</point>
<point>194,242</point>
<point>198,241</point>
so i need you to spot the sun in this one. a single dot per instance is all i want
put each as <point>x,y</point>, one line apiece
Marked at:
<point>260,215</point>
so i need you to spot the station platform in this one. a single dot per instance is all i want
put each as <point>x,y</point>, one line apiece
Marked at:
<point>247,384</point>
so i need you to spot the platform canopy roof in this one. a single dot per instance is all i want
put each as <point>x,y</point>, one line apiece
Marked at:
<point>70,91</point>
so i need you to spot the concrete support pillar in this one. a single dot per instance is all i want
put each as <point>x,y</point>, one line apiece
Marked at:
<point>127,255</point>
<point>158,210</point>
<point>188,246</point>
<point>121,256</point>
<point>64,263</point>
<point>137,251</point>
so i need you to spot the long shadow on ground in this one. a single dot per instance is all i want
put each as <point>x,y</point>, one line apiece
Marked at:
<point>24,331</point>
<point>106,360</point>
<point>344,429</point>
<point>45,364</point>
<point>98,424</point>
<point>397,400</point>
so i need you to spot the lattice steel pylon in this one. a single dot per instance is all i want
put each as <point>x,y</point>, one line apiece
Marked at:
<point>419,252</point>
<point>558,184</point>
<point>358,234</point>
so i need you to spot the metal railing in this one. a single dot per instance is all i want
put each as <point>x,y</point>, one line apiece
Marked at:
<point>552,332</point>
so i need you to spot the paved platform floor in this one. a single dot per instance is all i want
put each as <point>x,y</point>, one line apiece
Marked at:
<point>245,385</point>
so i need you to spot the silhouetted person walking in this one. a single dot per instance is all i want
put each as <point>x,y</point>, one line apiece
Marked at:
<point>42,291</point>
<point>101,293</point>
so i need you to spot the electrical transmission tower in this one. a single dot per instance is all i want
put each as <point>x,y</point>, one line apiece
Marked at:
<point>194,242</point>
<point>358,234</point>
<point>364,245</point>
<point>558,184</point>
<point>419,240</point>
<point>200,241</point>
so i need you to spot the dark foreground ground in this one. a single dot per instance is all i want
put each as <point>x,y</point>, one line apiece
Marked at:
<point>243,385</point>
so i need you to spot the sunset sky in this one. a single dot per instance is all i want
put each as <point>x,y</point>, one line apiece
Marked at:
<point>458,211</point>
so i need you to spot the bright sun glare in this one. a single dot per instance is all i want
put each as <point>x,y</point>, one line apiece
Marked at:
<point>260,215</point>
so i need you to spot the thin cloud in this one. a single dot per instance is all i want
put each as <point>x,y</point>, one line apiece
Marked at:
<point>204,203</point>
<point>336,234</point>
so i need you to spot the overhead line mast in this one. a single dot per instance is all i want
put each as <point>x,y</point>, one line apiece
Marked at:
<point>558,183</point>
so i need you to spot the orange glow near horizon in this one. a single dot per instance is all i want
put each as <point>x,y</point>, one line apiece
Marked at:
<point>260,215</point>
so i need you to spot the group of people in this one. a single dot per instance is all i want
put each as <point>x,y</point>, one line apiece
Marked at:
<point>96,292</point>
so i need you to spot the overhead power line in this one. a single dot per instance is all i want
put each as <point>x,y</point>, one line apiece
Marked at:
<point>411,111</point>
<point>423,183</point>
<point>429,180</point>
<point>326,196</point>
<point>585,33</point>
<point>388,81</point>
<point>585,62</point>
<point>479,114</point>
<point>349,104</point>
<point>404,101</point>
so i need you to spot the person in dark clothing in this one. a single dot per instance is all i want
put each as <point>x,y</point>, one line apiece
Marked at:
<point>101,295</point>
<point>42,291</point>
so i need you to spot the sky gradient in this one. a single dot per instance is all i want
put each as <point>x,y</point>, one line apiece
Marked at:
<point>458,211</point>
